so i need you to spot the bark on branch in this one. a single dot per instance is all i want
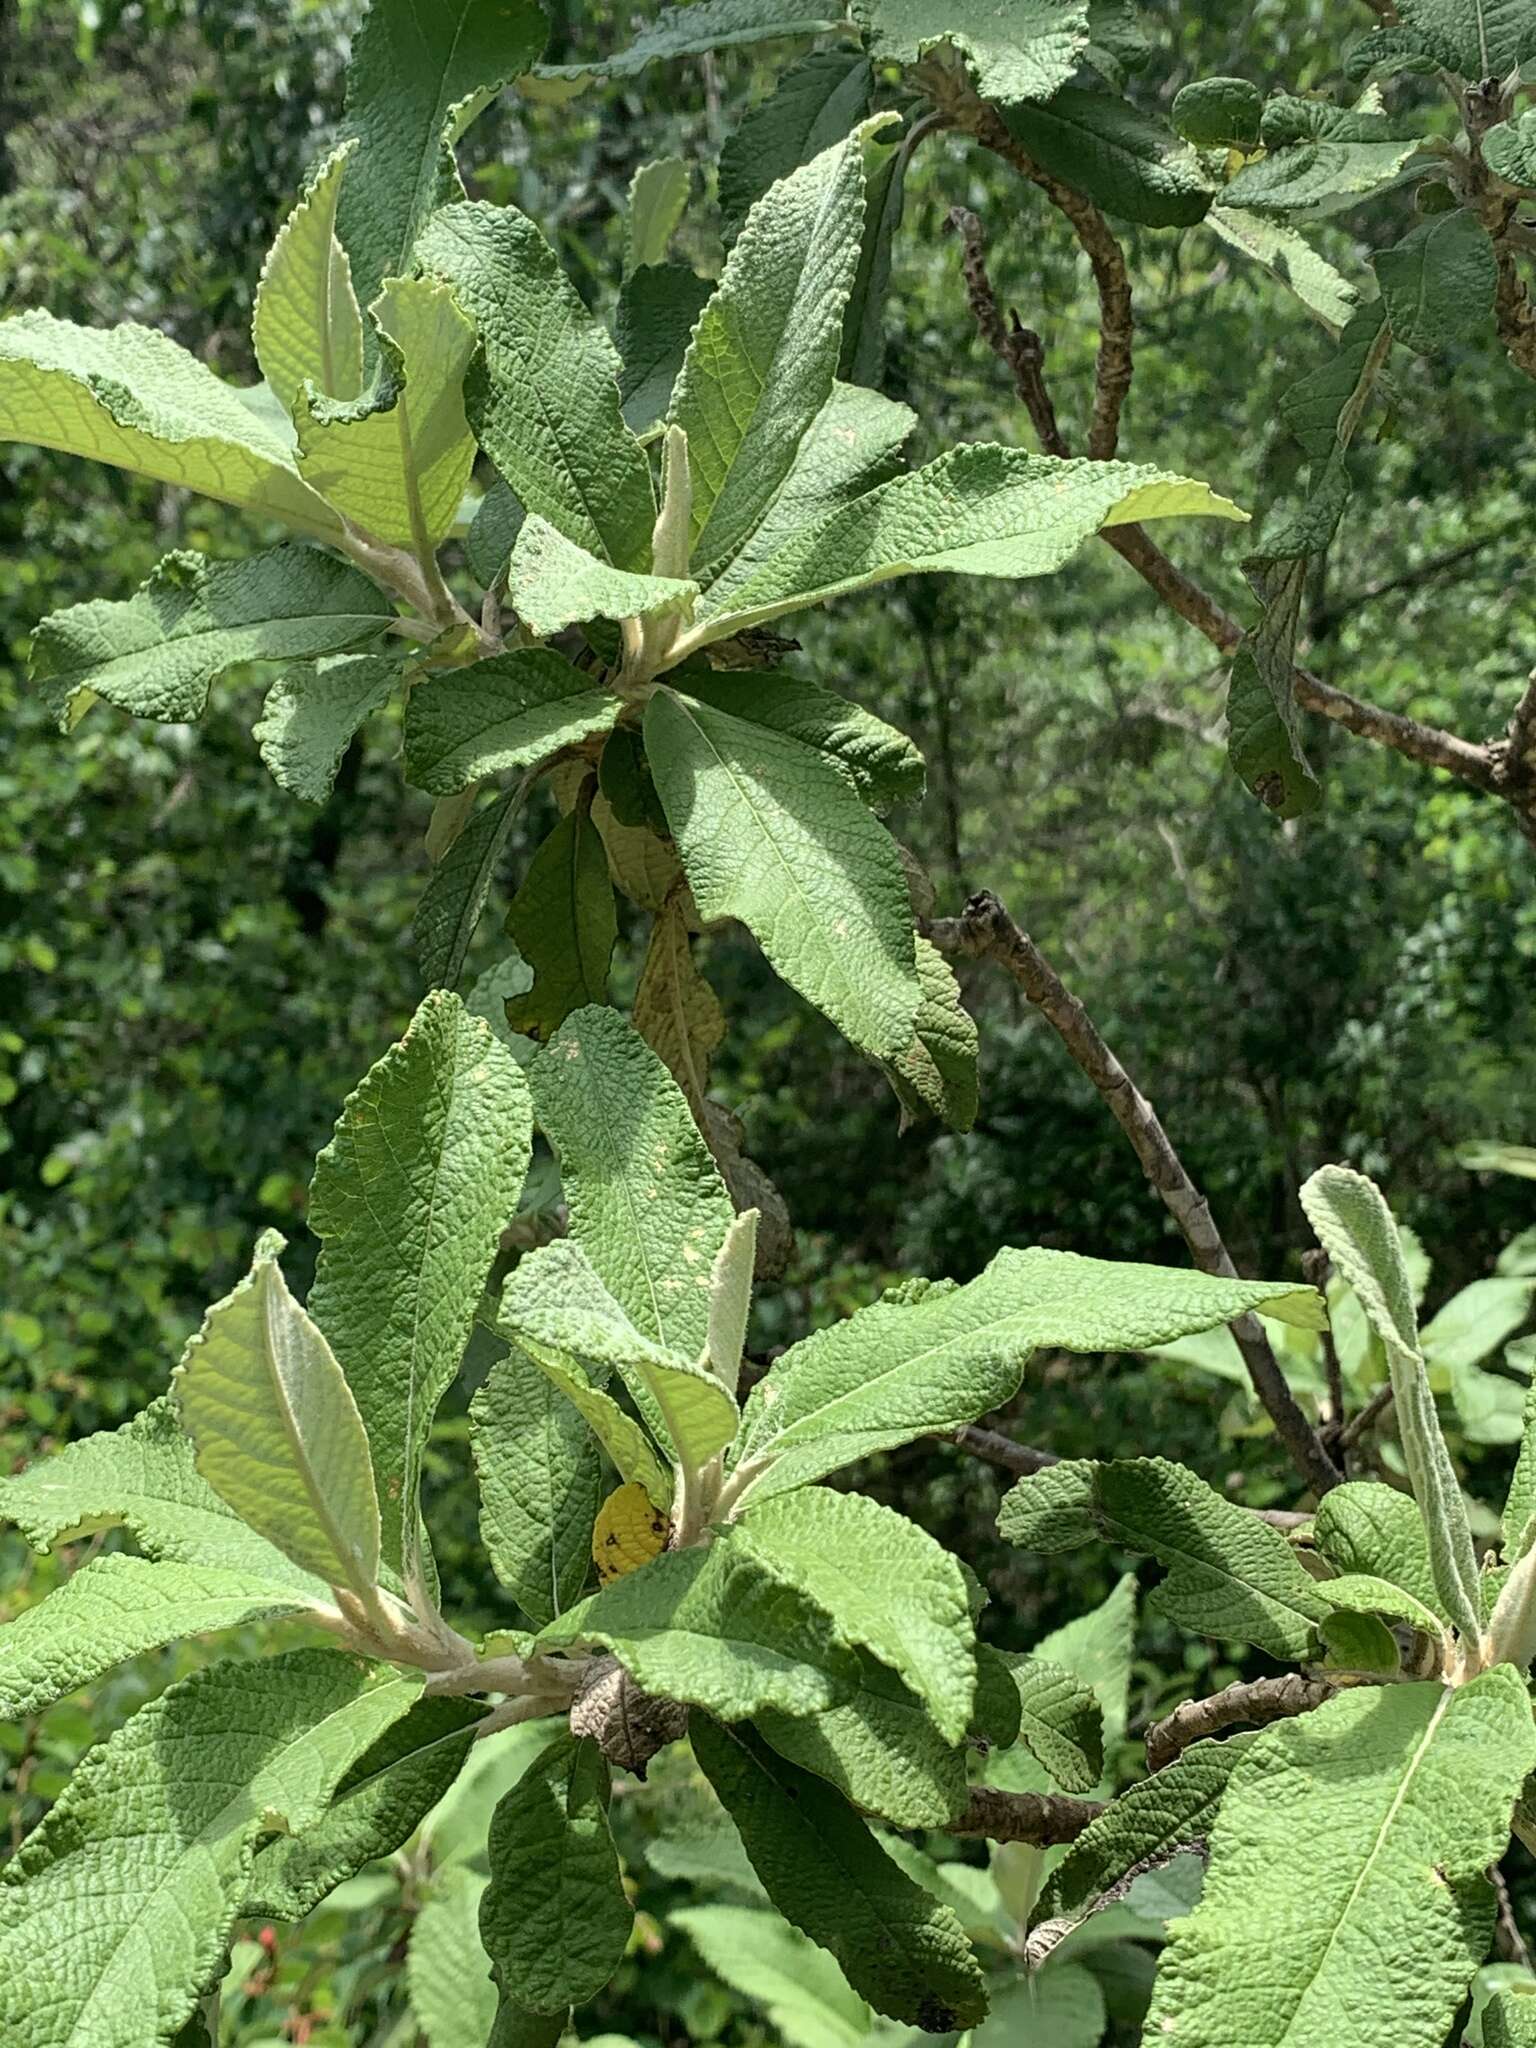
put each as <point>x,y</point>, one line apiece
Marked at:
<point>1044,1818</point>
<point>1253,1703</point>
<point>986,931</point>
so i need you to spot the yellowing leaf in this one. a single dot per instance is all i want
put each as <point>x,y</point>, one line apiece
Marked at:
<point>629,1532</point>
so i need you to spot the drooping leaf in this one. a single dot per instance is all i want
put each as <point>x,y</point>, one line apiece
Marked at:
<point>1026,51</point>
<point>805,1997</point>
<point>379,1801</point>
<point>447,1969</point>
<point>770,831</point>
<point>542,397</point>
<point>887,1586</point>
<point>277,1431</point>
<point>658,199</point>
<point>1229,1574</point>
<point>130,397</point>
<point>646,1203</point>
<point>690,31</point>
<point>763,358</point>
<point>861,359</point>
<point>882,763</point>
<point>306,323</point>
<point>657,312</point>
<point>893,1372</point>
<point>510,711</point>
<point>1219,113</point>
<point>1059,1719</point>
<point>396,461</point>
<point>114,1607</point>
<point>879,1747</point>
<point>980,510</point>
<point>1120,157</point>
<point>676,1011</point>
<point>1097,1647</point>
<point>312,715</point>
<point>417,78</point>
<point>1373,1529</point>
<point>1356,1229</point>
<point>409,1200</point>
<point>554,1919</point>
<point>540,1481</point>
<point>158,653</point>
<point>937,1072</point>
<point>718,1628</point>
<point>117,1910</point>
<point>1438,282</point>
<point>555,1305</point>
<point>895,1943</point>
<point>1404,1793</point>
<point>1327,158</point>
<point>1288,256</point>
<point>564,923</point>
<point>454,899</point>
<point>555,583</point>
<point>143,1478</point>
<point>814,105</point>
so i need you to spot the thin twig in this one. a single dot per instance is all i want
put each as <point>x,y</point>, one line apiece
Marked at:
<point>1370,1413</point>
<point>986,931</point>
<point>1315,1265</point>
<point>1252,1703</point>
<point>1508,1942</point>
<point>1044,1818</point>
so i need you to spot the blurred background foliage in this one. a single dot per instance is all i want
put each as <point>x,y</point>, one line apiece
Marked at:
<point>195,968</point>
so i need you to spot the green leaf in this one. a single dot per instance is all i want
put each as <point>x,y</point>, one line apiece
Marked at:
<point>814,105</point>
<point>446,1967</point>
<point>883,764</point>
<point>1098,1647</point>
<point>1438,283</point>
<point>555,583</point>
<point>117,1910</point>
<point>379,1802</point>
<point>1356,1229</point>
<point>1123,159</point>
<point>114,1607</point>
<point>1404,1793</point>
<point>718,1628</point>
<point>676,1011</point>
<point>417,78</point>
<point>937,1072</point>
<point>1219,113</point>
<point>762,360</point>
<point>1478,38</point>
<point>1509,150</point>
<point>312,715</point>
<point>646,1203</point>
<point>619,1434</point>
<point>1288,256</point>
<point>690,31</point>
<point>861,358</point>
<point>824,1870</point>
<point>879,1747</point>
<point>306,324</point>
<point>1320,171</point>
<point>555,1305</point>
<point>893,1372</point>
<point>143,1478</point>
<point>1375,1530</point>
<point>130,397</point>
<point>658,199</point>
<point>492,531</point>
<point>1264,733</point>
<point>511,711</point>
<point>805,1997</point>
<point>887,1585</point>
<point>1145,1827</point>
<point>453,901</point>
<point>1229,1574</point>
<point>980,510</point>
<point>409,1201</point>
<point>564,922</point>
<point>853,444</point>
<point>770,831</point>
<point>159,652</point>
<point>396,461</point>
<point>730,1301</point>
<point>1060,1721</point>
<point>540,1483</point>
<point>1025,51</point>
<point>1472,1325</point>
<point>555,1920</point>
<point>1063,2005</point>
<point>543,398</point>
<point>1359,1593</point>
<point>277,1431</point>
<point>657,312</point>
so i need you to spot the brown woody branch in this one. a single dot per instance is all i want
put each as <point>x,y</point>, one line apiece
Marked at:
<point>1253,1703</point>
<point>986,931</point>
<point>1044,1818</point>
<point>1501,767</point>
